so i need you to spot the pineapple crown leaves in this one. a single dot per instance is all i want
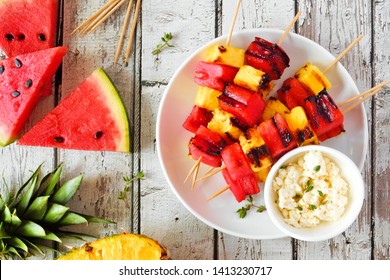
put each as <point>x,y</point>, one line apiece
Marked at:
<point>37,212</point>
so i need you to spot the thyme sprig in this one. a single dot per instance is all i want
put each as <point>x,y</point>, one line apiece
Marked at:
<point>242,212</point>
<point>167,37</point>
<point>128,182</point>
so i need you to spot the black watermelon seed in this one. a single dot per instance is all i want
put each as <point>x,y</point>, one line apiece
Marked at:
<point>15,94</point>
<point>41,37</point>
<point>21,37</point>
<point>98,134</point>
<point>18,63</point>
<point>59,139</point>
<point>2,69</point>
<point>9,37</point>
<point>29,83</point>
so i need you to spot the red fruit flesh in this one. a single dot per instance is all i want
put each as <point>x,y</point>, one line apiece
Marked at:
<point>198,116</point>
<point>292,93</point>
<point>235,187</point>
<point>324,116</point>
<point>210,154</point>
<point>245,105</point>
<point>214,75</point>
<point>277,136</point>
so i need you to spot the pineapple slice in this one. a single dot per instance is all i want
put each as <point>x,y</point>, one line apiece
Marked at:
<point>227,55</point>
<point>222,124</point>
<point>207,98</point>
<point>254,148</point>
<point>274,106</point>
<point>300,127</point>
<point>312,78</point>
<point>124,246</point>
<point>253,79</point>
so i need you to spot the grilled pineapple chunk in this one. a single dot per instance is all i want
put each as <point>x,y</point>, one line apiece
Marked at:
<point>207,98</point>
<point>300,127</point>
<point>312,78</point>
<point>227,55</point>
<point>222,124</point>
<point>254,148</point>
<point>274,106</point>
<point>253,79</point>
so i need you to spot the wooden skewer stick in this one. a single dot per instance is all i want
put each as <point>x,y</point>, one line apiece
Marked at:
<point>289,28</point>
<point>195,176</point>
<point>93,16</point>
<point>96,22</point>
<point>197,163</point>
<point>133,26</point>
<point>361,100</point>
<point>209,174</point>
<point>342,54</point>
<point>219,192</point>
<point>123,33</point>
<point>233,22</point>
<point>379,86</point>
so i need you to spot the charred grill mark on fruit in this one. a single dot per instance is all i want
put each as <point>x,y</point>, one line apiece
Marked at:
<point>285,135</point>
<point>256,154</point>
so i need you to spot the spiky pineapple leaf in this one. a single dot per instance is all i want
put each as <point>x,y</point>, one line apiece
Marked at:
<point>55,213</point>
<point>18,243</point>
<point>6,215</point>
<point>37,209</point>
<point>15,220</point>
<point>25,201</point>
<point>67,190</point>
<point>71,218</point>
<point>52,237</point>
<point>30,229</point>
<point>3,233</point>
<point>15,200</point>
<point>74,235</point>
<point>32,246</point>
<point>51,180</point>
<point>92,219</point>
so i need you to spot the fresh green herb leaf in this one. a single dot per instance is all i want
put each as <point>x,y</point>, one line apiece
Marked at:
<point>312,207</point>
<point>243,211</point>
<point>165,43</point>
<point>320,193</point>
<point>317,168</point>
<point>299,208</point>
<point>297,196</point>
<point>309,186</point>
<point>139,176</point>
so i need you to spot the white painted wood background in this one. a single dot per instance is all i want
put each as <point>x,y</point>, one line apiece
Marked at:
<point>152,208</point>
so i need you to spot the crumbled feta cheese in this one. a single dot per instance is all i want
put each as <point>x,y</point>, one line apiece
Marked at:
<point>311,190</point>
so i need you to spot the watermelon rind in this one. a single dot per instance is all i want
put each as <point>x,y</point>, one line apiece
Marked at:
<point>119,113</point>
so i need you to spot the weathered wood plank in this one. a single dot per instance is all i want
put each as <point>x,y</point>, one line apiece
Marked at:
<point>256,14</point>
<point>334,25</point>
<point>381,134</point>
<point>103,172</point>
<point>162,215</point>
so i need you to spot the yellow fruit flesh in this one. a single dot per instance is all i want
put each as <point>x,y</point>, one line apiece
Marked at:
<point>123,246</point>
<point>251,78</point>
<point>274,106</point>
<point>226,55</point>
<point>312,78</point>
<point>207,98</point>
<point>252,140</point>
<point>299,126</point>
<point>221,123</point>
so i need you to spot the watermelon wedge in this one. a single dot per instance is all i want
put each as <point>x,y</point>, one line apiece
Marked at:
<point>92,117</point>
<point>27,25</point>
<point>21,80</point>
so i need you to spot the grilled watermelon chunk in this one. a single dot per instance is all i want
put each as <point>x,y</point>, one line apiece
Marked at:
<point>292,93</point>
<point>92,117</point>
<point>214,75</point>
<point>277,136</point>
<point>197,117</point>
<point>21,80</point>
<point>27,25</point>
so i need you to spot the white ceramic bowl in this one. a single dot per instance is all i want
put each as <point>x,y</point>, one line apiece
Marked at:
<point>325,230</point>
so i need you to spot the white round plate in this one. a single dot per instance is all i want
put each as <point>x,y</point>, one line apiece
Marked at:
<point>172,138</point>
